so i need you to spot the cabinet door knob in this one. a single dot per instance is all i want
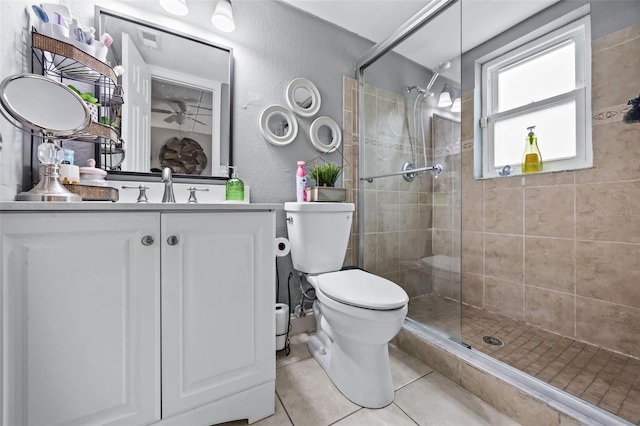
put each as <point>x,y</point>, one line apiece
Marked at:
<point>172,240</point>
<point>147,240</point>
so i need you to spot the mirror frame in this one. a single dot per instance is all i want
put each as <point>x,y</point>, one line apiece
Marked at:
<point>153,176</point>
<point>316,101</point>
<point>39,109</point>
<point>274,111</point>
<point>336,134</point>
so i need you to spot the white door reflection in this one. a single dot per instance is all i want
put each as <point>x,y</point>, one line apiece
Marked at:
<point>136,111</point>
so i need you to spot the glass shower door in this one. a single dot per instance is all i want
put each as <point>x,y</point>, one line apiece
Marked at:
<point>410,222</point>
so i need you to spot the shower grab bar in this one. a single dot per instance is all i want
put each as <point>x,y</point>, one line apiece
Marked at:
<point>436,169</point>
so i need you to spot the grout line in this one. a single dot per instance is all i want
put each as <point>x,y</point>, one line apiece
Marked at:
<point>414,380</point>
<point>575,258</point>
<point>524,252</point>
<point>405,413</point>
<point>596,375</point>
<point>293,362</point>
<point>348,415</point>
<point>563,362</point>
<point>484,247</point>
<point>284,408</point>
<point>607,242</point>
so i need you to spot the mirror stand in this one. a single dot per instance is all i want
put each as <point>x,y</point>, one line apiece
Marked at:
<point>49,188</point>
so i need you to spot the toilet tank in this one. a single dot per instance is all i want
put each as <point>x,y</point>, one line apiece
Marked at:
<point>319,234</point>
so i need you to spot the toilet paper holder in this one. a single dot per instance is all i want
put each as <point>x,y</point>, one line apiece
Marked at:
<point>282,247</point>
<point>283,327</point>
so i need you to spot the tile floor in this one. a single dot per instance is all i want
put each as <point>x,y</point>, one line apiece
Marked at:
<point>604,378</point>
<point>306,396</point>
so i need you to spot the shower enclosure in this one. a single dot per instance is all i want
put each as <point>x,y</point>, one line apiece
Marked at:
<point>423,221</point>
<point>410,162</point>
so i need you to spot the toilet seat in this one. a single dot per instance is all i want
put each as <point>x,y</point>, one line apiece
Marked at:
<point>361,289</point>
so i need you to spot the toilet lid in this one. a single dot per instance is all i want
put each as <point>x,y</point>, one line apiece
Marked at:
<point>362,289</point>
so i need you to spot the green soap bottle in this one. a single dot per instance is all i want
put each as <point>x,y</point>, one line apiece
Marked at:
<point>235,187</point>
<point>531,159</point>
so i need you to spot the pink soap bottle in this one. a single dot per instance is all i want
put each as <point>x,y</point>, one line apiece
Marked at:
<point>301,183</point>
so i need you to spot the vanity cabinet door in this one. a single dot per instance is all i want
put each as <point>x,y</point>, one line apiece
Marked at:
<point>218,296</point>
<point>80,314</point>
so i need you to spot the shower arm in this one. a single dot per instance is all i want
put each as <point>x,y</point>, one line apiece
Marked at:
<point>436,169</point>
<point>433,80</point>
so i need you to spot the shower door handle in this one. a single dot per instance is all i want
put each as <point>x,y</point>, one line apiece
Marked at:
<point>436,169</point>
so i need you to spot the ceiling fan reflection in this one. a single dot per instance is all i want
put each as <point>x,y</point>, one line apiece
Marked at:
<point>181,115</point>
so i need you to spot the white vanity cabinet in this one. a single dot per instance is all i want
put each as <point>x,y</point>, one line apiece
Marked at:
<point>81,318</point>
<point>218,318</point>
<point>135,318</point>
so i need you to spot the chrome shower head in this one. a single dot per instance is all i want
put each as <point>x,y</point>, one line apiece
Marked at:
<point>443,66</point>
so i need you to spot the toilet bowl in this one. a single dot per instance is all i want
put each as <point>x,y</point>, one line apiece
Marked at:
<point>356,313</point>
<point>351,341</point>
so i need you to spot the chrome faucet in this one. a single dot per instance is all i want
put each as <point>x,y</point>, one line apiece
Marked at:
<point>167,197</point>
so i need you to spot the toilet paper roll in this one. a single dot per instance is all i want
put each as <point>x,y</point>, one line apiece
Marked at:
<point>282,247</point>
<point>282,324</point>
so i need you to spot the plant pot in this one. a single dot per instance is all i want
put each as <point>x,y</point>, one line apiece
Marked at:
<point>93,111</point>
<point>326,193</point>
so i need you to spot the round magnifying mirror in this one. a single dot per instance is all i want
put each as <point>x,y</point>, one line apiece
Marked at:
<point>33,102</point>
<point>44,105</point>
<point>303,97</point>
<point>278,125</point>
<point>325,134</point>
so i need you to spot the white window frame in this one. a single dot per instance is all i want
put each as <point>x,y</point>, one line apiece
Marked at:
<point>578,31</point>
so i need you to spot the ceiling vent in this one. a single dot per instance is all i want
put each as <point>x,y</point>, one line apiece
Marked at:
<point>148,39</point>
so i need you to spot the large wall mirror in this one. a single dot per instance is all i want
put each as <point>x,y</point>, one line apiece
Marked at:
<point>177,99</point>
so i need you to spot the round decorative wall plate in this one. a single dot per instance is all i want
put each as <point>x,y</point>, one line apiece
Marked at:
<point>278,125</point>
<point>335,135</point>
<point>303,97</point>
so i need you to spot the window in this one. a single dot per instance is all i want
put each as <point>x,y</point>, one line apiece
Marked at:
<point>544,83</point>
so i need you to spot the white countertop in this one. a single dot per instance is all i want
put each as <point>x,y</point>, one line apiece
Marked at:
<point>102,206</point>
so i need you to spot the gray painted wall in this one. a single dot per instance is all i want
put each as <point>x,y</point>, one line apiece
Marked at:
<point>606,17</point>
<point>273,43</point>
<point>13,60</point>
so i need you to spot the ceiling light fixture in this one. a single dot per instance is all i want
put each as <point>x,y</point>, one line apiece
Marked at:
<point>222,17</point>
<point>444,100</point>
<point>457,105</point>
<point>175,7</point>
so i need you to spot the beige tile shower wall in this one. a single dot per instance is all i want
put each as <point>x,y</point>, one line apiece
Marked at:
<point>562,250</point>
<point>398,214</point>
<point>446,204</point>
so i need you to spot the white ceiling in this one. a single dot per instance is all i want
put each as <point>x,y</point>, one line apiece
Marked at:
<point>438,41</point>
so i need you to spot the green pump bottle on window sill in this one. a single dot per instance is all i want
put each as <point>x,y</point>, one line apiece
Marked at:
<point>531,160</point>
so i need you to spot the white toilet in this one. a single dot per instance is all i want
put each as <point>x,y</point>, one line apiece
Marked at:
<point>357,313</point>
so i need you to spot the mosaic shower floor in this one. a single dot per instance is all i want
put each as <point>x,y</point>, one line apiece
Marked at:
<point>604,378</point>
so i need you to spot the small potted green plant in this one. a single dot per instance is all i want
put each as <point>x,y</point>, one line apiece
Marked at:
<point>90,100</point>
<point>325,176</point>
<point>111,123</point>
